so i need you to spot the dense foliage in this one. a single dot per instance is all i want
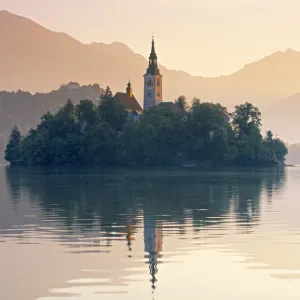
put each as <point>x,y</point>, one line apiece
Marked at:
<point>105,134</point>
<point>24,109</point>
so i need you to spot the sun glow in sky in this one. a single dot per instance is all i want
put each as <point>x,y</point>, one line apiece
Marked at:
<point>202,37</point>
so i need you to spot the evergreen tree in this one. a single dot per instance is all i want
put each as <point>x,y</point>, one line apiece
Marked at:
<point>111,111</point>
<point>13,148</point>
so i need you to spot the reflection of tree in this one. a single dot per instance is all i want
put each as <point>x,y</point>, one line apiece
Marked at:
<point>14,177</point>
<point>110,202</point>
<point>246,198</point>
<point>110,199</point>
<point>247,193</point>
<point>75,198</point>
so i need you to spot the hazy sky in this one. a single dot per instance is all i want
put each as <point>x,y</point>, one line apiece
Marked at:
<point>203,37</point>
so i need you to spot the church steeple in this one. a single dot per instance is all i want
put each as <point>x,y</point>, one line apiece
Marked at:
<point>153,53</point>
<point>153,67</point>
<point>152,81</point>
<point>153,269</point>
<point>129,89</point>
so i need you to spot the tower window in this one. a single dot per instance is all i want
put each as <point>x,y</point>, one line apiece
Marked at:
<point>158,83</point>
<point>149,82</point>
<point>149,94</point>
<point>158,94</point>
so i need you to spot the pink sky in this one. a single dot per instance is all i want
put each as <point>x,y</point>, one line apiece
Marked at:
<point>208,37</point>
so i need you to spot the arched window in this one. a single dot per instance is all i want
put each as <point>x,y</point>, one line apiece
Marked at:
<point>149,82</point>
<point>158,83</point>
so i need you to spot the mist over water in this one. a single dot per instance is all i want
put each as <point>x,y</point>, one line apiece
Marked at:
<point>151,234</point>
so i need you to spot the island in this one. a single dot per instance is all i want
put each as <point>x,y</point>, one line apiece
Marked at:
<point>105,134</point>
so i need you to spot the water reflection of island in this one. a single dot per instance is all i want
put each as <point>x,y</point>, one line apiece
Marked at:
<point>84,202</point>
<point>85,198</point>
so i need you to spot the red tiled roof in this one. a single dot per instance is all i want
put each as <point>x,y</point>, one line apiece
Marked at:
<point>129,103</point>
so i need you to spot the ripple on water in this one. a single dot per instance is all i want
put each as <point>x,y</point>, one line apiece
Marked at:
<point>133,235</point>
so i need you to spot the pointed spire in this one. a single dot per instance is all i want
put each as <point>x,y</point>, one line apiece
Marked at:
<point>129,237</point>
<point>153,53</point>
<point>153,239</point>
<point>129,89</point>
<point>153,269</point>
<point>153,67</point>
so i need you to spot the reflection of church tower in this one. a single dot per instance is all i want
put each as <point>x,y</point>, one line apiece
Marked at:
<point>152,82</point>
<point>153,239</point>
<point>129,234</point>
<point>129,237</point>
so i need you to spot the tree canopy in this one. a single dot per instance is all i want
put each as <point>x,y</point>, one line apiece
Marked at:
<point>104,134</point>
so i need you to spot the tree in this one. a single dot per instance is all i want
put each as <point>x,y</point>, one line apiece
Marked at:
<point>107,95</point>
<point>208,125</point>
<point>250,147</point>
<point>246,122</point>
<point>274,148</point>
<point>101,144</point>
<point>111,111</point>
<point>181,102</point>
<point>85,112</point>
<point>196,101</point>
<point>130,145</point>
<point>13,151</point>
<point>67,112</point>
<point>245,117</point>
<point>280,149</point>
<point>161,135</point>
<point>269,137</point>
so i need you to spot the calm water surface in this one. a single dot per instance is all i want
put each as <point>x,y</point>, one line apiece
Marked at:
<point>128,234</point>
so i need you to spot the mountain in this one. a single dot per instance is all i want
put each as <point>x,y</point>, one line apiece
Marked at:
<point>294,154</point>
<point>36,59</point>
<point>283,118</point>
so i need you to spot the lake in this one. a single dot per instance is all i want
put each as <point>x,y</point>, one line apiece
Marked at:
<point>102,233</point>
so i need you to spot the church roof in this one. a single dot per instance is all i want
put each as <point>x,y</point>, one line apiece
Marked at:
<point>171,106</point>
<point>128,102</point>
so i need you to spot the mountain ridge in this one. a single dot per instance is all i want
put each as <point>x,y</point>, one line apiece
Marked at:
<point>37,59</point>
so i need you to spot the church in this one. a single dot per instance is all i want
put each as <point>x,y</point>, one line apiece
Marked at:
<point>153,90</point>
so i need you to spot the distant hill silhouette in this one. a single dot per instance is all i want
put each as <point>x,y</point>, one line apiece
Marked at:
<point>294,154</point>
<point>284,118</point>
<point>36,59</point>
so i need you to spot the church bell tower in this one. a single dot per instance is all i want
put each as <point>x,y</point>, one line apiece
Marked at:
<point>152,81</point>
